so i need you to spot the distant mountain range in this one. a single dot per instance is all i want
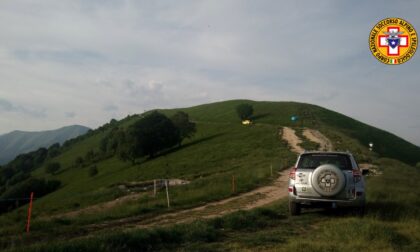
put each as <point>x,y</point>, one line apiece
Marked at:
<point>18,142</point>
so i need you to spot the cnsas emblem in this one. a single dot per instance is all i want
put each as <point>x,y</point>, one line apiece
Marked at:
<point>393,41</point>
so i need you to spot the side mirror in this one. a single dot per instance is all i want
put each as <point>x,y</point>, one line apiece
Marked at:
<point>365,172</point>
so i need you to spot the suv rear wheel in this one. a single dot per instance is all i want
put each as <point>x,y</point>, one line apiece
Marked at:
<point>294,208</point>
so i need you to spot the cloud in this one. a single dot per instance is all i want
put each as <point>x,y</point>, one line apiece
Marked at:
<point>58,55</point>
<point>70,114</point>
<point>110,108</point>
<point>7,106</point>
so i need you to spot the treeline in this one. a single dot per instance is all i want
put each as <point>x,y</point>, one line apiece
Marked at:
<point>148,136</point>
<point>15,178</point>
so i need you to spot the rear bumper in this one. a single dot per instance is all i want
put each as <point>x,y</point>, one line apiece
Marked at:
<point>321,202</point>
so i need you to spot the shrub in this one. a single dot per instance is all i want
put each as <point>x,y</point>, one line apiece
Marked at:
<point>244,111</point>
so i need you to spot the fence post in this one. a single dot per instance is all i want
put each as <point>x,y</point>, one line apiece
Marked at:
<point>28,223</point>
<point>154,187</point>
<point>233,184</point>
<point>167,193</point>
<point>271,170</point>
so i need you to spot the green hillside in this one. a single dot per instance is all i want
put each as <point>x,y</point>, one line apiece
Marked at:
<point>386,144</point>
<point>220,149</point>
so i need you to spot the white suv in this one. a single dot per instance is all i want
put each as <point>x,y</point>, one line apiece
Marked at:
<point>326,179</point>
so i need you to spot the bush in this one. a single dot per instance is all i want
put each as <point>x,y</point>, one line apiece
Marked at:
<point>418,165</point>
<point>244,111</point>
<point>93,171</point>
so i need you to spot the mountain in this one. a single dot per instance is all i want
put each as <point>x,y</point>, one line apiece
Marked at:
<point>17,142</point>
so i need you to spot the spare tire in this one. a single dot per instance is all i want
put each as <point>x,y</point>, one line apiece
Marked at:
<point>328,180</point>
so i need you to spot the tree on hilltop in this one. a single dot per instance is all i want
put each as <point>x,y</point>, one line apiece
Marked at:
<point>244,111</point>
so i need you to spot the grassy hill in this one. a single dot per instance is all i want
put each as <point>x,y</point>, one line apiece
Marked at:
<point>279,113</point>
<point>221,148</point>
<point>17,142</point>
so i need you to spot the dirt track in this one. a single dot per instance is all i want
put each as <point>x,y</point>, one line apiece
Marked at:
<point>317,137</point>
<point>290,136</point>
<point>253,199</point>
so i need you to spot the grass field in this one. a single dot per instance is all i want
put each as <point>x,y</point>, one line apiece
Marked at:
<point>391,224</point>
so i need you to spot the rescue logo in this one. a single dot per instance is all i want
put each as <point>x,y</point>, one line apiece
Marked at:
<point>393,41</point>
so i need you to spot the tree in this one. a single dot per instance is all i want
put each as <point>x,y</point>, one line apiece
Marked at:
<point>125,146</point>
<point>53,167</point>
<point>113,121</point>
<point>185,126</point>
<point>244,111</point>
<point>151,134</point>
<point>54,150</point>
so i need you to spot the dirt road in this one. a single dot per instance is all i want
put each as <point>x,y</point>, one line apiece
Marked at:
<point>253,199</point>
<point>317,137</point>
<point>292,139</point>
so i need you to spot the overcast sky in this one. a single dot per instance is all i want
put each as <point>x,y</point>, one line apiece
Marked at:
<point>85,62</point>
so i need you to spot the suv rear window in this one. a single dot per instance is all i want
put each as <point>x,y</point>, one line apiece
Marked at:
<point>312,161</point>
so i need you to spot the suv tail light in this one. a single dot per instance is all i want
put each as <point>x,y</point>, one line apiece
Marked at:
<point>292,174</point>
<point>356,176</point>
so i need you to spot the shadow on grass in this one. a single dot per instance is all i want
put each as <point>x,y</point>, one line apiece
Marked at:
<point>175,149</point>
<point>331,212</point>
<point>382,210</point>
<point>259,116</point>
<point>391,211</point>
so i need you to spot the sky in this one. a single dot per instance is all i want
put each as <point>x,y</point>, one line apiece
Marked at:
<point>88,61</point>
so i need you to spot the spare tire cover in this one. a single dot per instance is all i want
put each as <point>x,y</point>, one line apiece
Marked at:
<point>328,180</point>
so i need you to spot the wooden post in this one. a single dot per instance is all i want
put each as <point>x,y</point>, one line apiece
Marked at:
<point>28,223</point>
<point>154,187</point>
<point>271,170</point>
<point>167,193</point>
<point>233,184</point>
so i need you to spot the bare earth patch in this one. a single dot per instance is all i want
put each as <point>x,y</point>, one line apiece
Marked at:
<point>373,169</point>
<point>317,137</point>
<point>289,135</point>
